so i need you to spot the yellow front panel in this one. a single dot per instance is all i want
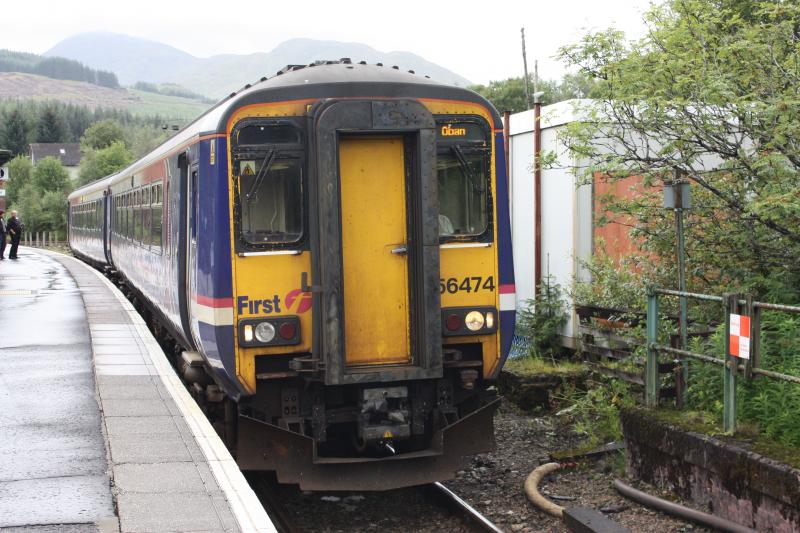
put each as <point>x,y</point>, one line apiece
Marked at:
<point>376,314</point>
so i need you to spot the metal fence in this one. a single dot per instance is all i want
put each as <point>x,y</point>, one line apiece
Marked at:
<point>42,239</point>
<point>732,304</point>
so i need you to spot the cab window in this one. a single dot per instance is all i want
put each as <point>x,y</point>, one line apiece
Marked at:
<point>464,181</point>
<point>268,172</point>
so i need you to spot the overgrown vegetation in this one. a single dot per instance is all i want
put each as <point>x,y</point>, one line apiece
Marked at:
<point>709,93</point>
<point>594,413</point>
<point>542,320</point>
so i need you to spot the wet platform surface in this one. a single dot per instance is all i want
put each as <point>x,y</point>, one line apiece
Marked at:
<point>53,467</point>
<point>101,433</point>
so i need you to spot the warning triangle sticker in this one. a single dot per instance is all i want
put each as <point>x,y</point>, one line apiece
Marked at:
<point>247,168</point>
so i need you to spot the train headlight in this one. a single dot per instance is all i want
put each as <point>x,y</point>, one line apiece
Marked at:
<point>474,320</point>
<point>265,332</point>
<point>269,331</point>
<point>478,320</point>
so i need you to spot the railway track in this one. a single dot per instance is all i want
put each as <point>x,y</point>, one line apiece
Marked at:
<point>273,497</point>
<point>471,518</point>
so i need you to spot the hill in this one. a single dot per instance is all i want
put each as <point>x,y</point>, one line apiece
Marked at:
<point>21,86</point>
<point>133,60</point>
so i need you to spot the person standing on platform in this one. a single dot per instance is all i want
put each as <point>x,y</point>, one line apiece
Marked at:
<point>2,234</point>
<point>14,228</point>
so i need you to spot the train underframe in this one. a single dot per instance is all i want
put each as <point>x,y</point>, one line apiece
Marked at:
<point>370,436</point>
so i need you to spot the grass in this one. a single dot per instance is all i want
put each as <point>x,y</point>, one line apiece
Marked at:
<point>169,107</point>
<point>534,366</point>
<point>748,434</point>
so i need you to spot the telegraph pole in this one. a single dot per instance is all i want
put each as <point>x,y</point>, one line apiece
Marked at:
<point>525,64</point>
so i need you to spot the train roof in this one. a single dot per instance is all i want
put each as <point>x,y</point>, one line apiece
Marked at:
<point>296,82</point>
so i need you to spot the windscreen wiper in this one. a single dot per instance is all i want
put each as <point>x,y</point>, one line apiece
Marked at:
<point>265,164</point>
<point>477,186</point>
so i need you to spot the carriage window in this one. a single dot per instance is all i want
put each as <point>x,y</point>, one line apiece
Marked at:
<point>463,186</point>
<point>268,166</point>
<point>146,229</point>
<point>157,213</point>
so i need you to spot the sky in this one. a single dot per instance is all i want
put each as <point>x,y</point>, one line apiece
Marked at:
<point>478,40</point>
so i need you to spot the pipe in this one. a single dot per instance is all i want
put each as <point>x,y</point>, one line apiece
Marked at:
<point>680,511</point>
<point>532,489</point>
<point>537,192</point>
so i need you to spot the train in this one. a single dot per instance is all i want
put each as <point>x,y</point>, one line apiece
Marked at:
<point>329,249</point>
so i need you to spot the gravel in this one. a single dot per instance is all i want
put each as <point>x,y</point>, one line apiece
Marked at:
<point>492,483</point>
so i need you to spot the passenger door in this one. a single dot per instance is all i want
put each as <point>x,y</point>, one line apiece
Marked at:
<point>374,250</point>
<point>193,223</point>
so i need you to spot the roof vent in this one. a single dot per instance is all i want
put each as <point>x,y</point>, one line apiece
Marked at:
<point>395,67</point>
<point>411,72</point>
<point>289,68</point>
<point>345,61</point>
<point>362,62</point>
<point>379,64</point>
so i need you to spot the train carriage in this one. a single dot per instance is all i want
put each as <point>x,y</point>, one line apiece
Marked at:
<point>331,248</point>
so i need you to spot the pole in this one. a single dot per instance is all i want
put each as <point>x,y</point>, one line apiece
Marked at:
<point>537,193</point>
<point>651,368</point>
<point>682,395</point>
<point>525,65</point>
<point>731,303</point>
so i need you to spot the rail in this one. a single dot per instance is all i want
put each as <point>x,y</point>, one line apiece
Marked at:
<point>737,358</point>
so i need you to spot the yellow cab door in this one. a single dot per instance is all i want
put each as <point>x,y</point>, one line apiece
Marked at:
<point>374,254</point>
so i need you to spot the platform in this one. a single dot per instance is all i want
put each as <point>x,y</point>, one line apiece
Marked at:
<point>98,433</point>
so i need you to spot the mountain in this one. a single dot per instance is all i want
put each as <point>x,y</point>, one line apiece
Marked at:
<point>133,59</point>
<point>23,86</point>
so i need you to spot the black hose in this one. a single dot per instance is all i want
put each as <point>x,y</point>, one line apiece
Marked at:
<point>648,500</point>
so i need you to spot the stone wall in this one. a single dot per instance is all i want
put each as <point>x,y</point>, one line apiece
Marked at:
<point>720,475</point>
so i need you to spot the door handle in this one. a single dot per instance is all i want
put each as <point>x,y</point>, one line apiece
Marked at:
<point>400,250</point>
<point>305,287</point>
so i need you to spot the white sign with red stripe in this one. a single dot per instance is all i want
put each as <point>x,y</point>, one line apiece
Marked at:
<point>740,336</point>
<point>508,297</point>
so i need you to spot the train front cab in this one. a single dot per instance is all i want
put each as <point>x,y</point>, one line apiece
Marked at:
<point>366,285</point>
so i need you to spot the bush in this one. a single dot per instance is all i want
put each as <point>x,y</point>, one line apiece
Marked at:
<point>542,320</point>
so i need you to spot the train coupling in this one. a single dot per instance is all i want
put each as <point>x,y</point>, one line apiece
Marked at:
<point>384,416</point>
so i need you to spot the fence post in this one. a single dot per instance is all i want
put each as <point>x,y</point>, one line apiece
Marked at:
<point>651,368</point>
<point>731,303</point>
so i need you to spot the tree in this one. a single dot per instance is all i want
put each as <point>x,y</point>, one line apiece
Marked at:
<point>509,95</point>
<point>712,92</point>
<point>41,196</point>
<point>50,176</point>
<point>19,174</point>
<point>102,134</point>
<point>99,164</point>
<point>15,132</point>
<point>52,127</point>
